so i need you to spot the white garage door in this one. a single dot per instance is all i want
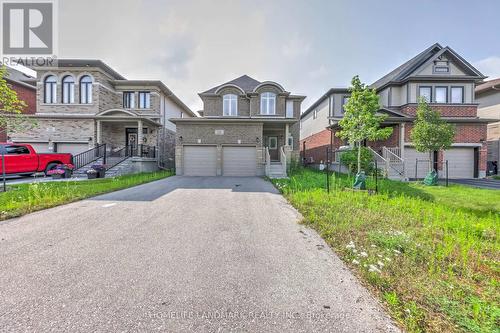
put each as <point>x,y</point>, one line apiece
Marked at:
<point>40,147</point>
<point>460,162</point>
<point>200,161</point>
<point>72,148</point>
<point>239,161</point>
<point>411,156</point>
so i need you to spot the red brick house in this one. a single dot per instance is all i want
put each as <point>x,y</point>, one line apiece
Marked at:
<point>25,87</point>
<point>438,74</point>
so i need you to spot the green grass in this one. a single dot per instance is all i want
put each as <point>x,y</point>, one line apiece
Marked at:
<point>26,198</point>
<point>496,177</point>
<point>432,254</point>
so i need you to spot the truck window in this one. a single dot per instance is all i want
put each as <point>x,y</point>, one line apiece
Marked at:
<point>16,150</point>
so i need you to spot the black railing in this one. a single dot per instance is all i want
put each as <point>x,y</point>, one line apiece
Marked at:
<point>118,156</point>
<point>89,156</point>
<point>143,151</point>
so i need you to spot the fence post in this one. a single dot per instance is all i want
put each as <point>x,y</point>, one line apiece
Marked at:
<point>416,168</point>
<point>327,173</point>
<point>446,173</point>
<point>3,170</point>
<point>104,155</point>
<point>376,176</point>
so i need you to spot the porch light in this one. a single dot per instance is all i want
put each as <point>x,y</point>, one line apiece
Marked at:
<point>180,138</point>
<point>257,140</point>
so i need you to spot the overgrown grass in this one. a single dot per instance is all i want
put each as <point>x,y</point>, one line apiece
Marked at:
<point>26,198</point>
<point>430,253</point>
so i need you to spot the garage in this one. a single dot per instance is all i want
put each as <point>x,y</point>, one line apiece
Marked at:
<point>239,161</point>
<point>71,147</point>
<point>411,156</point>
<point>460,162</point>
<point>200,161</point>
<point>40,147</point>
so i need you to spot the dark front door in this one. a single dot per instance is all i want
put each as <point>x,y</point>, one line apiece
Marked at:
<point>131,137</point>
<point>272,144</point>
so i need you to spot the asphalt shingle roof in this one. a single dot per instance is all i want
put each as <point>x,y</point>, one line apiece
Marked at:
<point>245,82</point>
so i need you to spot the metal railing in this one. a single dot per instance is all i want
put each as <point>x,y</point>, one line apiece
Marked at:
<point>89,156</point>
<point>144,151</point>
<point>119,156</point>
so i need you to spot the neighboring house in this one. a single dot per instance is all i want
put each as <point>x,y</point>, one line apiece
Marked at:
<point>488,97</point>
<point>25,88</point>
<point>84,103</point>
<point>438,74</point>
<point>248,128</point>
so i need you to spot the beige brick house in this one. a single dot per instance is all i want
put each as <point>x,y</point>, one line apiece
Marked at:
<point>447,81</point>
<point>84,103</point>
<point>247,128</point>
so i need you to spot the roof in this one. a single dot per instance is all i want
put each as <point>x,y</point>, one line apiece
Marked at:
<point>322,98</point>
<point>488,85</point>
<point>245,82</point>
<point>405,70</point>
<point>64,63</point>
<point>16,76</point>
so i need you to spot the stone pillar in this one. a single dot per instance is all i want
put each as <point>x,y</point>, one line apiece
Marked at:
<point>287,134</point>
<point>99,132</point>
<point>402,139</point>
<point>139,132</point>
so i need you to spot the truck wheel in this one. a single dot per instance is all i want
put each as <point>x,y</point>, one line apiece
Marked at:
<point>50,166</point>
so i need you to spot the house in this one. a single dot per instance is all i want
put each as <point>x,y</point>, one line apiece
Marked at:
<point>247,128</point>
<point>25,89</point>
<point>81,104</point>
<point>488,97</point>
<point>447,81</point>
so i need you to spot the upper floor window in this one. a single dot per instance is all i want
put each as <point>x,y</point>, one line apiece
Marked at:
<point>345,99</point>
<point>289,108</point>
<point>68,89</point>
<point>230,105</point>
<point>86,90</point>
<point>268,103</point>
<point>144,100</point>
<point>426,93</point>
<point>441,95</point>
<point>457,94</point>
<point>50,87</point>
<point>128,99</point>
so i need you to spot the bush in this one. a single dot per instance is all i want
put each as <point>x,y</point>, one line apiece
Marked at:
<point>349,158</point>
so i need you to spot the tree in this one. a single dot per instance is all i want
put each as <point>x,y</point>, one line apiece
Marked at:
<point>11,108</point>
<point>361,121</point>
<point>430,133</point>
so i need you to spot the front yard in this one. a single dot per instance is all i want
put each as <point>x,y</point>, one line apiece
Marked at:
<point>432,254</point>
<point>26,198</point>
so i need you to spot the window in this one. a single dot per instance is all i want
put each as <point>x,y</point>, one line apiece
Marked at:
<point>16,150</point>
<point>68,92</point>
<point>86,90</point>
<point>268,103</point>
<point>273,142</point>
<point>457,94</point>
<point>50,87</point>
<point>425,92</point>
<point>128,99</point>
<point>144,100</point>
<point>441,95</point>
<point>289,108</point>
<point>345,99</point>
<point>230,105</point>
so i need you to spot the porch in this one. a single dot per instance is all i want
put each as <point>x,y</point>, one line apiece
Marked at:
<point>278,146</point>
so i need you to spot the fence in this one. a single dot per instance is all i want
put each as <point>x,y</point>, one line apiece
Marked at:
<point>422,169</point>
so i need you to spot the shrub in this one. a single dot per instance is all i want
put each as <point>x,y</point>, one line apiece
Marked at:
<point>350,159</point>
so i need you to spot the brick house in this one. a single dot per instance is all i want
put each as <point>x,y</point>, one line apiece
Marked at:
<point>248,128</point>
<point>84,103</point>
<point>438,74</point>
<point>24,86</point>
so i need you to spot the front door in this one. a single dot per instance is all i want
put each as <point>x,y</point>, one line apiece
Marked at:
<point>131,137</point>
<point>272,144</point>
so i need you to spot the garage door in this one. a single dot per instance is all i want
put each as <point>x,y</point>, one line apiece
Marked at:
<point>411,156</point>
<point>72,148</point>
<point>200,161</point>
<point>239,161</point>
<point>40,147</point>
<point>460,162</point>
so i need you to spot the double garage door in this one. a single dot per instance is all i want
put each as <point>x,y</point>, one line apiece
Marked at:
<point>60,147</point>
<point>461,163</point>
<point>236,161</point>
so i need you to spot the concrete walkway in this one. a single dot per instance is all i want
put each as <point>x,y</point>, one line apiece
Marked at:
<point>199,254</point>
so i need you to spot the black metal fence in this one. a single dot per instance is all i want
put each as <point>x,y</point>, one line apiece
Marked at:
<point>89,156</point>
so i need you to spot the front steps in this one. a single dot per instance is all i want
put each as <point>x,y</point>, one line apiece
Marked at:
<point>122,168</point>
<point>276,170</point>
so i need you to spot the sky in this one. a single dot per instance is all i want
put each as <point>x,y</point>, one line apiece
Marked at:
<point>307,46</point>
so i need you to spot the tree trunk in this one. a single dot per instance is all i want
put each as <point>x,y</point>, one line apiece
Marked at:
<point>359,156</point>
<point>430,161</point>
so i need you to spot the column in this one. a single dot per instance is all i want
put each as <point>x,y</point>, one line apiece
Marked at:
<point>287,134</point>
<point>402,139</point>
<point>99,132</point>
<point>139,132</point>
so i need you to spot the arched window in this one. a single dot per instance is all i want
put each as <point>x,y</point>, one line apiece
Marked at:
<point>50,88</point>
<point>68,89</point>
<point>268,103</point>
<point>230,105</point>
<point>86,90</point>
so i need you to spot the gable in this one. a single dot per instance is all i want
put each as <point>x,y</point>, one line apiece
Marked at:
<point>446,63</point>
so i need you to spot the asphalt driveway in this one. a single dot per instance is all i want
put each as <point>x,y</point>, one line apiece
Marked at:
<point>492,184</point>
<point>199,254</point>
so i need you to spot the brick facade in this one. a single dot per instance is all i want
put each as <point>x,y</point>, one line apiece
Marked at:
<point>444,110</point>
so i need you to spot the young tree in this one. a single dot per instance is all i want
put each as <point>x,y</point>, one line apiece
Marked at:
<point>360,121</point>
<point>430,133</point>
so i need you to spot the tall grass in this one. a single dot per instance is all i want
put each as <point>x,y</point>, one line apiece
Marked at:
<point>431,253</point>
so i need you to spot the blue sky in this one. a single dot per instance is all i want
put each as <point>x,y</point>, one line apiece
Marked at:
<point>308,46</point>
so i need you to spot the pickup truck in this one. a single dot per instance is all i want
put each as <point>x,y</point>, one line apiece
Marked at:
<point>22,159</point>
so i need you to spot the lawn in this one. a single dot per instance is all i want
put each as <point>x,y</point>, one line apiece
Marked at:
<point>432,254</point>
<point>26,198</point>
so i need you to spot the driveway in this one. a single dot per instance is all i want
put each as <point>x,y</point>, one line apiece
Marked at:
<point>199,254</point>
<point>492,184</point>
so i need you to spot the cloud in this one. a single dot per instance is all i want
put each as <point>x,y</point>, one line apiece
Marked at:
<point>489,67</point>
